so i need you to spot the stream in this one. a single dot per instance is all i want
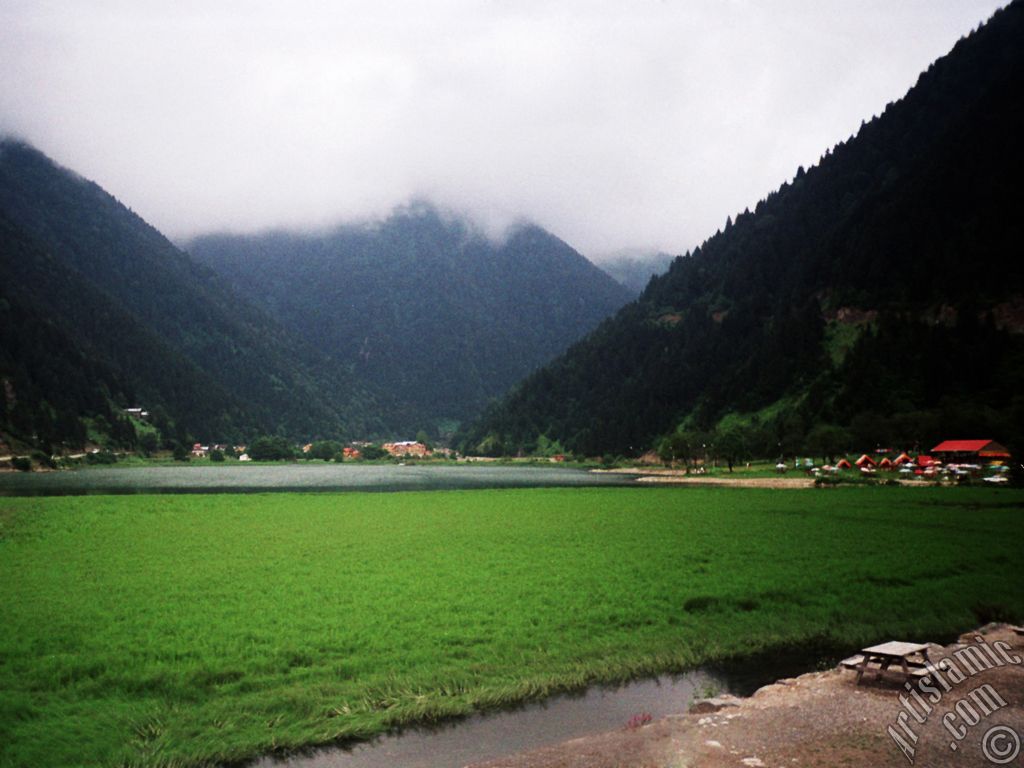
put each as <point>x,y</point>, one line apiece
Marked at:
<point>556,719</point>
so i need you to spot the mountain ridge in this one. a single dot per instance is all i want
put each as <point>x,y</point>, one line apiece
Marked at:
<point>216,366</point>
<point>422,303</point>
<point>915,212</point>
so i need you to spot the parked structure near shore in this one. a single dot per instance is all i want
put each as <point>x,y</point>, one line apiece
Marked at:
<point>970,451</point>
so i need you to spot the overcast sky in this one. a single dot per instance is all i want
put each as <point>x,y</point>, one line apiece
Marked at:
<point>630,124</point>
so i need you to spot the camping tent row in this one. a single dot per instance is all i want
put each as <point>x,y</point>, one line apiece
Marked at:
<point>865,462</point>
<point>949,451</point>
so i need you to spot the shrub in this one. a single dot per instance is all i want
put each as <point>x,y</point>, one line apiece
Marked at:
<point>373,452</point>
<point>44,459</point>
<point>269,448</point>
<point>22,463</point>
<point>324,449</point>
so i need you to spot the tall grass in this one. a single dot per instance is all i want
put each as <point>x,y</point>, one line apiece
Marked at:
<point>183,630</point>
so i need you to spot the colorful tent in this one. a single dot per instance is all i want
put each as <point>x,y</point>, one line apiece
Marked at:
<point>865,461</point>
<point>843,464</point>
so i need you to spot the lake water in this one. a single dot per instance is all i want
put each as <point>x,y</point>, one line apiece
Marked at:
<point>319,476</point>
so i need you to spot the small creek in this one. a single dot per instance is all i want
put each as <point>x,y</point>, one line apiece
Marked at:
<point>565,716</point>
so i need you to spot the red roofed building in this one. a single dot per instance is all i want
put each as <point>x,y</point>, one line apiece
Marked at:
<point>966,451</point>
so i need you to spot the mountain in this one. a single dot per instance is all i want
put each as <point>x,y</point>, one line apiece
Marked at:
<point>106,313</point>
<point>422,305</point>
<point>633,270</point>
<point>877,299</point>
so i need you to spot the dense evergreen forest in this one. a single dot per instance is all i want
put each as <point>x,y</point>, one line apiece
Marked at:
<point>105,313</point>
<point>422,305</point>
<point>877,299</point>
<point>367,332</point>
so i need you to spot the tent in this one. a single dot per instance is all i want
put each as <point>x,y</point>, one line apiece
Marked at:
<point>865,461</point>
<point>843,464</point>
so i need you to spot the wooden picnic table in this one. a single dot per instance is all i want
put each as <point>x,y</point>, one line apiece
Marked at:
<point>912,658</point>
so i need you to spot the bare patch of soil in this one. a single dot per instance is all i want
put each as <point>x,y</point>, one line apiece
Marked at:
<point>680,477</point>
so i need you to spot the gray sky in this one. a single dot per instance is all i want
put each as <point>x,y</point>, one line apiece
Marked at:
<point>629,124</point>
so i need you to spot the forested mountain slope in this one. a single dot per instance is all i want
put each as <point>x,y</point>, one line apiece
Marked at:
<point>107,313</point>
<point>878,298</point>
<point>422,305</point>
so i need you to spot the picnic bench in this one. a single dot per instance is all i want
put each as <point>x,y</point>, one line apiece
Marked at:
<point>912,658</point>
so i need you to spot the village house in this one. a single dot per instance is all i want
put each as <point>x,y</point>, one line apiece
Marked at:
<point>406,448</point>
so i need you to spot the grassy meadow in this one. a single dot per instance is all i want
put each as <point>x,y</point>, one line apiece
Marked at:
<point>185,630</point>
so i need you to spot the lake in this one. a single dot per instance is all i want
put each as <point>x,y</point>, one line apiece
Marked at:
<point>320,476</point>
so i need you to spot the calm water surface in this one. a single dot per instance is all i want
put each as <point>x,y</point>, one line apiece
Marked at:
<point>321,476</point>
<point>559,718</point>
<point>485,737</point>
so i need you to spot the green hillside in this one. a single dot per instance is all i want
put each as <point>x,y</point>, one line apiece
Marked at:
<point>422,305</point>
<point>111,314</point>
<point>876,299</point>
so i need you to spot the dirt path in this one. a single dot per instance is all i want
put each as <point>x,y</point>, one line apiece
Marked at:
<point>731,482</point>
<point>825,719</point>
<point>680,477</point>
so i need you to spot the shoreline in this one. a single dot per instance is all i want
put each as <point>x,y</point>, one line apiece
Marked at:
<point>822,719</point>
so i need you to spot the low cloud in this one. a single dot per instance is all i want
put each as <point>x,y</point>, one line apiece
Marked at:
<point>614,125</point>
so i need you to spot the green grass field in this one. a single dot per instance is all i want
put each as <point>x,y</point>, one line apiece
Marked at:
<point>182,630</point>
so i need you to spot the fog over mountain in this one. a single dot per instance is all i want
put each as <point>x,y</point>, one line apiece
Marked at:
<point>639,125</point>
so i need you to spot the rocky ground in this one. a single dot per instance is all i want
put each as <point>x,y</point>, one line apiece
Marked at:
<point>826,719</point>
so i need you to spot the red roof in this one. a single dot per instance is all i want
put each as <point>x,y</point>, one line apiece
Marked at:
<point>960,446</point>
<point>984,448</point>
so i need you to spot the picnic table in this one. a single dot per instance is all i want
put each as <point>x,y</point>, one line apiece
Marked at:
<point>911,657</point>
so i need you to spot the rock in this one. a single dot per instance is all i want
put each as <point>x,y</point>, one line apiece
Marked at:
<point>707,706</point>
